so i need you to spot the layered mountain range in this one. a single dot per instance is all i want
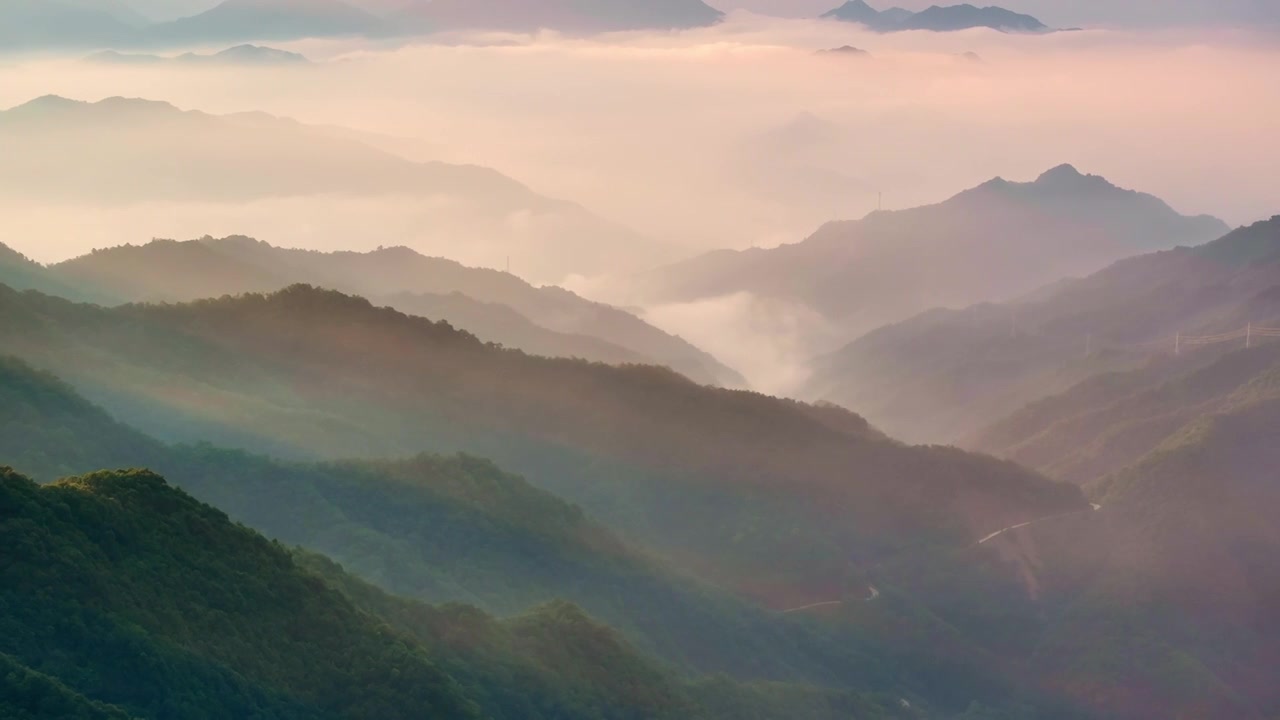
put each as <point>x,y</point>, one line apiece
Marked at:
<point>896,581</point>
<point>195,616</point>
<point>252,55</point>
<point>70,24</point>
<point>119,152</point>
<point>1162,601</point>
<point>936,18</point>
<point>432,528</point>
<point>945,374</point>
<point>494,306</point>
<point>312,373</point>
<point>996,241</point>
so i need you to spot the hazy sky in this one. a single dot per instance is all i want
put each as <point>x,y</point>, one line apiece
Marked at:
<point>694,137</point>
<point>722,137</point>
<point>1061,13</point>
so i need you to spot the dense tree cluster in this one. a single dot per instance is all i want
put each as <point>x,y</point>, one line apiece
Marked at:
<point>119,588</point>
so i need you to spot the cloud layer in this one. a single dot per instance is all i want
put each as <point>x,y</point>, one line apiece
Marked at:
<point>731,136</point>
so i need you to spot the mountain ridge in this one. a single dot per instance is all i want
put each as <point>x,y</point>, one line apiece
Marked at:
<point>947,374</point>
<point>250,20</point>
<point>68,24</point>
<point>621,442</point>
<point>936,18</point>
<point>451,529</point>
<point>238,55</point>
<point>119,152</point>
<point>192,616</point>
<point>517,313</point>
<point>433,528</point>
<point>560,15</point>
<point>992,242</point>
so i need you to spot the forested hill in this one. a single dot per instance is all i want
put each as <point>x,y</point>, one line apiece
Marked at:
<point>125,597</point>
<point>17,271</point>
<point>439,529</point>
<point>189,612</point>
<point>1162,603</point>
<point>21,273</point>
<point>1113,420</point>
<point>458,529</point>
<point>946,373</point>
<point>1172,592</point>
<point>768,496</point>
<point>556,321</point>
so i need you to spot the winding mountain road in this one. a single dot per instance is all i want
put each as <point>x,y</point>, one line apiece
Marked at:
<point>874,593</point>
<point>814,606</point>
<point>1096,507</point>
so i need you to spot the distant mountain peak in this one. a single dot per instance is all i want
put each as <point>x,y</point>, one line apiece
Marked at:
<point>9,255</point>
<point>1067,176</point>
<point>56,109</point>
<point>936,18</point>
<point>133,103</point>
<point>846,51</point>
<point>48,102</point>
<point>855,11</point>
<point>57,103</point>
<point>1063,171</point>
<point>854,6</point>
<point>234,241</point>
<point>962,17</point>
<point>1062,178</point>
<point>259,53</point>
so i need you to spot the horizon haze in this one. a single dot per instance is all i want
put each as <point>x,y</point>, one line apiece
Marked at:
<point>639,360</point>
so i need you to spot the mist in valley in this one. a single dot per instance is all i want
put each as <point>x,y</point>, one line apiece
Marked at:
<point>671,144</point>
<point>616,359</point>
<point>767,139</point>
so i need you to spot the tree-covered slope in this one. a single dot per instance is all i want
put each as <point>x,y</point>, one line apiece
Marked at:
<point>123,597</point>
<point>18,272</point>
<point>439,529</point>
<point>136,595</point>
<point>49,430</point>
<point>494,306</point>
<point>21,273</point>
<point>945,374</point>
<point>29,695</point>
<point>458,529</point>
<point>557,641</point>
<point>1162,603</point>
<point>503,325</point>
<point>1111,421</point>
<point>1185,583</point>
<point>765,495</point>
